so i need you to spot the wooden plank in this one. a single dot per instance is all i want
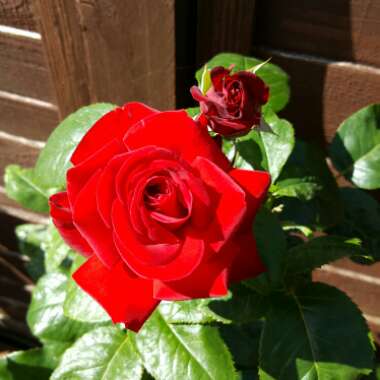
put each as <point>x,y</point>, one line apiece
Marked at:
<point>63,43</point>
<point>23,69</point>
<point>365,294</point>
<point>324,93</point>
<point>12,152</point>
<point>27,117</point>
<point>18,14</point>
<point>224,25</point>
<point>131,50</point>
<point>341,30</point>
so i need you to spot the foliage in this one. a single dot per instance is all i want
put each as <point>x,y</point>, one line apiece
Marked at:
<point>279,325</point>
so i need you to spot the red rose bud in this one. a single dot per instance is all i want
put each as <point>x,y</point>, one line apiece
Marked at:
<point>154,204</point>
<point>232,105</point>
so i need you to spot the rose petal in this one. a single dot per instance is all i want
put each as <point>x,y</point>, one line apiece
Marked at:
<point>210,279</point>
<point>229,199</point>
<point>247,262</point>
<point>112,125</point>
<point>90,225</point>
<point>162,261</point>
<point>79,175</point>
<point>126,297</point>
<point>256,184</point>
<point>62,218</point>
<point>218,75</point>
<point>174,130</point>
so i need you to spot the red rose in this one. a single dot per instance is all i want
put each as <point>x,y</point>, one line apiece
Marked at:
<point>154,204</point>
<point>232,105</point>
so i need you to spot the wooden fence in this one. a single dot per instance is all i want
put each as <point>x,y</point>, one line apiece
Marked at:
<point>57,55</point>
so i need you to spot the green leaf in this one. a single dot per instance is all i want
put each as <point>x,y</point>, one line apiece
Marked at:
<point>315,334</point>
<point>355,150</point>
<point>194,311</point>
<point>271,74</point>
<point>4,372</point>
<point>36,363</point>
<point>56,250</point>
<point>191,352</point>
<point>81,307</point>
<point>361,219</point>
<point>106,353</point>
<point>271,244</point>
<point>267,150</point>
<point>243,342</point>
<point>54,159</point>
<point>322,250</point>
<point>30,238</point>
<point>193,111</point>
<point>243,305</point>
<point>78,305</point>
<point>21,186</point>
<point>308,160</point>
<point>304,188</point>
<point>45,315</point>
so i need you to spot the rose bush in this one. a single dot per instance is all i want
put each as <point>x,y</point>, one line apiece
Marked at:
<point>232,105</point>
<point>155,205</point>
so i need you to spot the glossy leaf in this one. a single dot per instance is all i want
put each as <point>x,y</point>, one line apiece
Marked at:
<point>308,160</point>
<point>243,343</point>
<point>361,219</point>
<point>271,243</point>
<point>30,239</point>
<point>242,306</point>
<point>315,334</point>
<point>81,307</point>
<point>355,150</point>
<point>45,315</point>
<point>36,363</point>
<point>105,353</point>
<point>268,150</point>
<point>271,74</point>
<point>191,352</point>
<point>194,311</point>
<point>56,250</point>
<point>21,186</point>
<point>304,188</point>
<point>54,160</point>
<point>321,250</point>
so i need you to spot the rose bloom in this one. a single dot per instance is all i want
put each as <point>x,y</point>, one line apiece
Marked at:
<point>161,215</point>
<point>232,105</point>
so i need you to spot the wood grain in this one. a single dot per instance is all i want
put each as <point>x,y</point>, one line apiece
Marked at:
<point>130,49</point>
<point>16,153</point>
<point>27,117</point>
<point>18,14</point>
<point>23,68</point>
<point>63,43</point>
<point>324,93</point>
<point>341,30</point>
<point>224,25</point>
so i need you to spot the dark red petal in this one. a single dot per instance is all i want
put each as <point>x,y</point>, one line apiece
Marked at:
<point>60,213</point>
<point>90,224</point>
<point>175,130</point>
<point>247,263</point>
<point>218,75</point>
<point>80,174</point>
<point>229,200</point>
<point>126,297</point>
<point>112,125</point>
<point>210,279</point>
<point>255,183</point>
